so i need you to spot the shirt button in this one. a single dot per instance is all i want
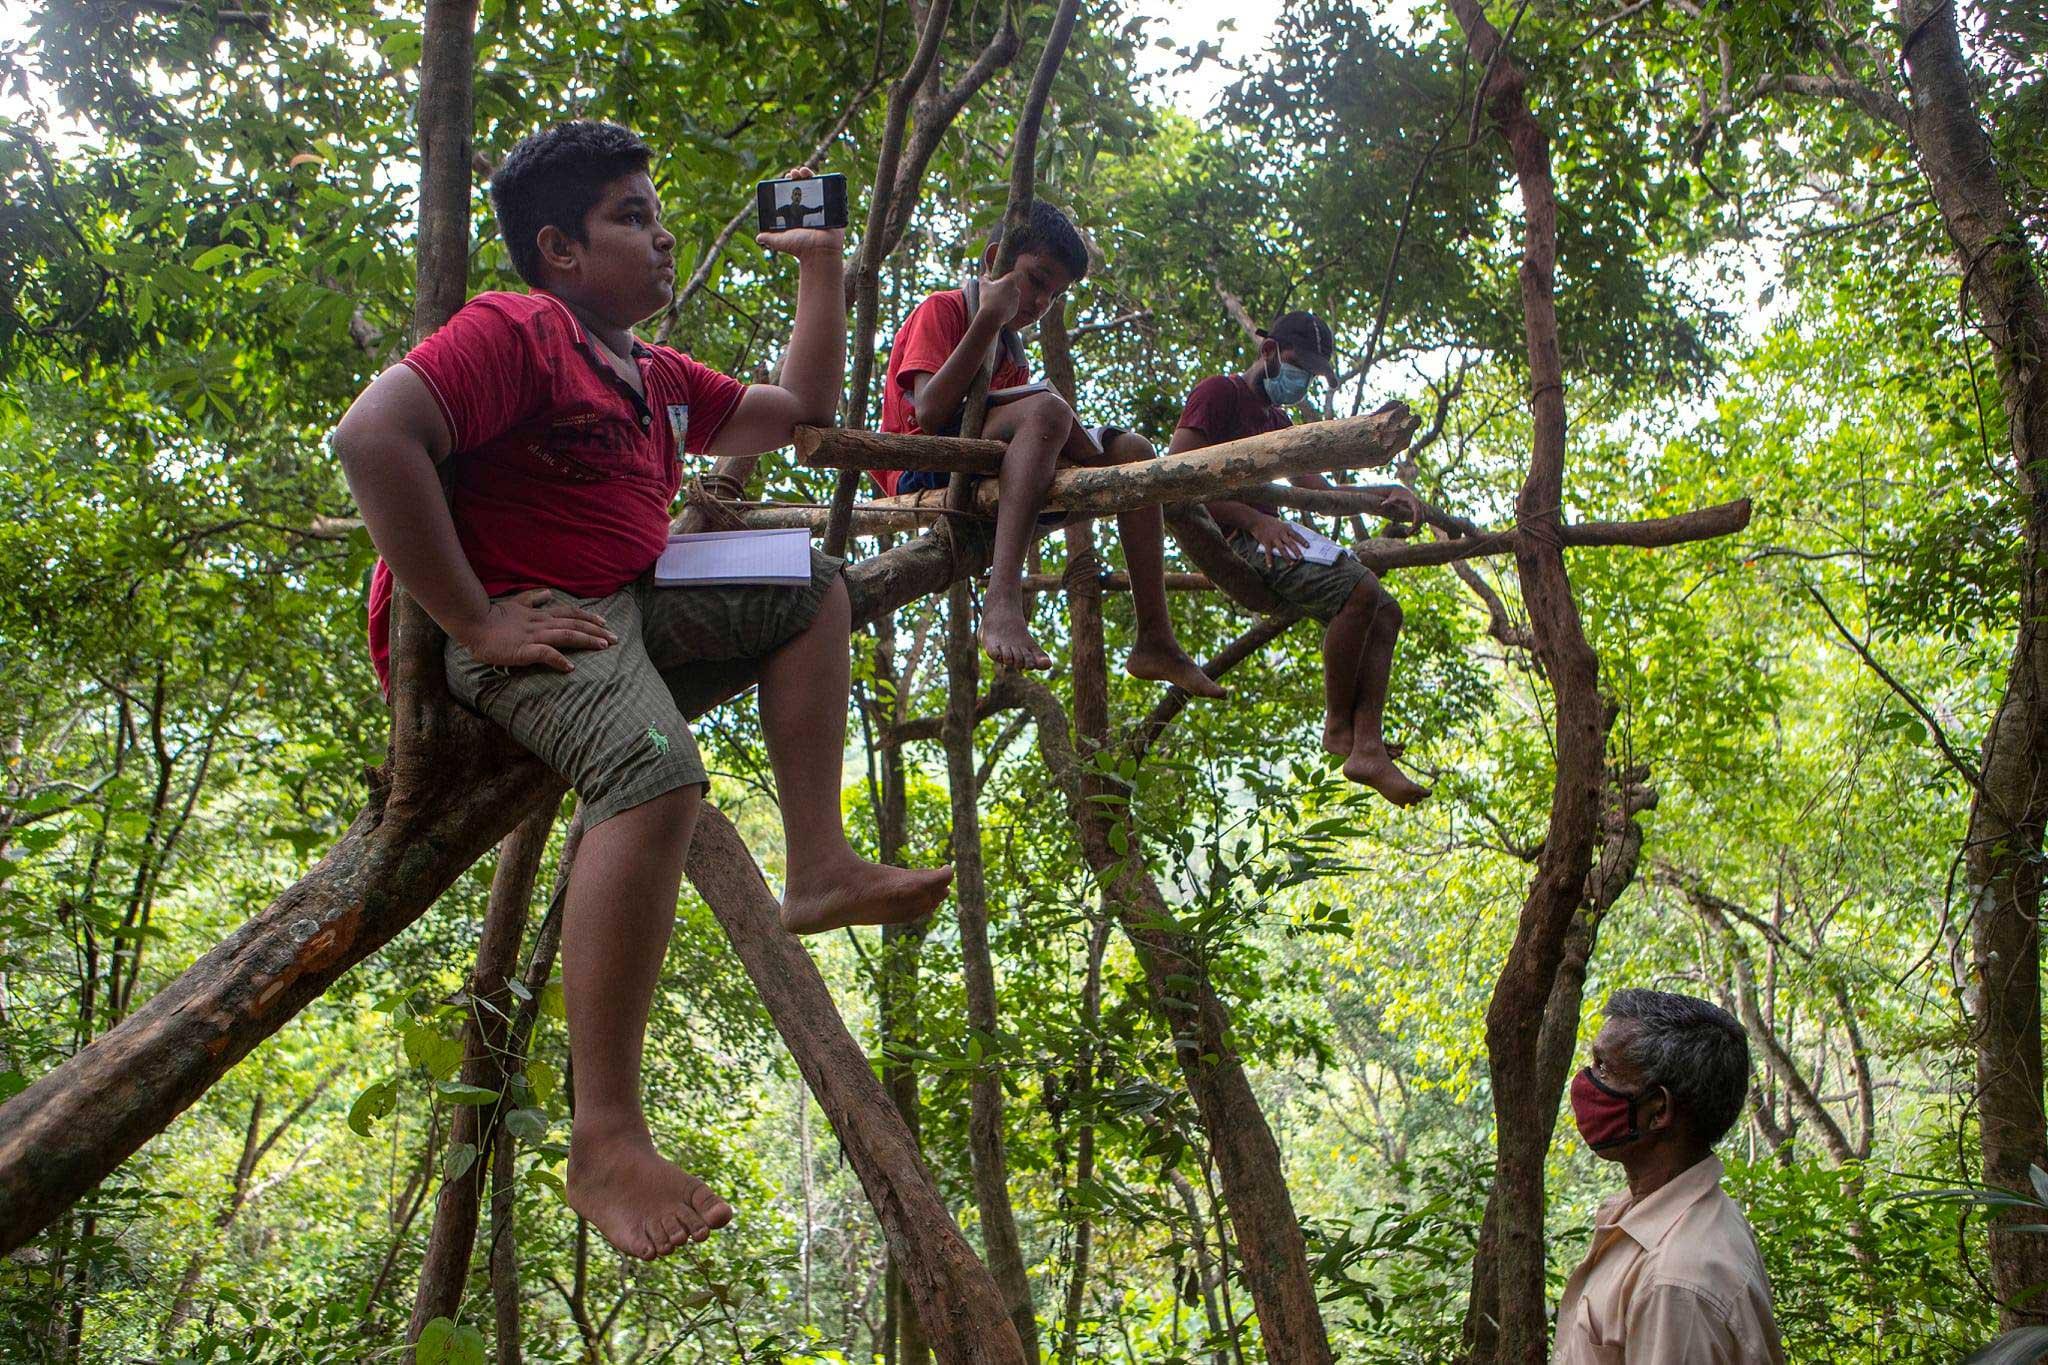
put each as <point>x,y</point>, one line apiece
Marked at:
<point>644,419</point>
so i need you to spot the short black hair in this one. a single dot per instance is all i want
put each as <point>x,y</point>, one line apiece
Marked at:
<point>554,179</point>
<point>1691,1047</point>
<point>1050,233</point>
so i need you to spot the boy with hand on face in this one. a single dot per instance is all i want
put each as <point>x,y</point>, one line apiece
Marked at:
<point>562,436</point>
<point>1361,620</point>
<point>933,363</point>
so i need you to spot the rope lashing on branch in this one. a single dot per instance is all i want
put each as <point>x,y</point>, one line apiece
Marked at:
<point>717,496</point>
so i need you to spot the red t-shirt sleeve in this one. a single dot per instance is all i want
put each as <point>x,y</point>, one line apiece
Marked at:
<point>1212,409</point>
<point>929,336</point>
<point>713,398</point>
<point>483,369</point>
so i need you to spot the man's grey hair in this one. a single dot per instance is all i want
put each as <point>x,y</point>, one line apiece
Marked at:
<point>1691,1047</point>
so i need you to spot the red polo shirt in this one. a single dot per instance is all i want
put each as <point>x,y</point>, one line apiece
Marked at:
<point>929,337</point>
<point>561,476</point>
<point>1226,408</point>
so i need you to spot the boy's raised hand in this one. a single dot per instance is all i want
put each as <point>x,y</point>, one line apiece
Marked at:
<point>534,627</point>
<point>999,298</point>
<point>801,242</point>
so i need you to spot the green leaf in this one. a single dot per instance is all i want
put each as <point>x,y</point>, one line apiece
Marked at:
<point>372,1104</point>
<point>426,1047</point>
<point>544,1080</point>
<point>528,1125</point>
<point>12,1083</point>
<point>457,1160</point>
<point>442,1342</point>
<point>460,1092</point>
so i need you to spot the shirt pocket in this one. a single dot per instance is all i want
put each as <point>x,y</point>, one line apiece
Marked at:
<point>1593,1346</point>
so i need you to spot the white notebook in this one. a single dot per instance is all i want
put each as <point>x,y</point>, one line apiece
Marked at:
<point>1320,548</point>
<point>712,559</point>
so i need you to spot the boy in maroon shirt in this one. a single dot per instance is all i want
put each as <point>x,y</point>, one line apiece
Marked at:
<point>1362,621</point>
<point>932,364</point>
<point>563,436</point>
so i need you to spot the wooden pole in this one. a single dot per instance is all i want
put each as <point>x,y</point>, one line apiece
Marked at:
<point>957,1300</point>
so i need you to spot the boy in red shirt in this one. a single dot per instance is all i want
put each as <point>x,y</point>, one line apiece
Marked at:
<point>1361,619</point>
<point>563,438</point>
<point>933,363</point>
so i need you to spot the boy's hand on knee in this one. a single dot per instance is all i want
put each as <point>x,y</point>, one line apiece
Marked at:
<point>1277,539</point>
<point>533,627</point>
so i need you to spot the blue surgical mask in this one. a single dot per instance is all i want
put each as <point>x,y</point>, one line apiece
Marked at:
<point>1288,387</point>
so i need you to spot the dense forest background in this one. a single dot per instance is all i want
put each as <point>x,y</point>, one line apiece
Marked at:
<point>207,243</point>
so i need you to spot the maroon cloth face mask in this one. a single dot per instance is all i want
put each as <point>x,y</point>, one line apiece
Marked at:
<point>1606,1116</point>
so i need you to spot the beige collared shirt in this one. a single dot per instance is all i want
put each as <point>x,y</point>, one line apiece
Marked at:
<point>1674,1278</point>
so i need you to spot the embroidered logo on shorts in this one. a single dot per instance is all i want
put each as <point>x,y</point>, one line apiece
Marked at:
<point>679,424</point>
<point>657,739</point>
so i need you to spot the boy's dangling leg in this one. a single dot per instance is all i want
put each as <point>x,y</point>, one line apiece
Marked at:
<point>1369,762</point>
<point>1156,654</point>
<point>804,689</point>
<point>1343,655</point>
<point>1036,430</point>
<point>619,911</point>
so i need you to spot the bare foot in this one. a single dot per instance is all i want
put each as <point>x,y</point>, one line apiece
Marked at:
<point>1337,735</point>
<point>1169,663</point>
<point>1374,769</point>
<point>1005,639</point>
<point>644,1205</point>
<point>860,892</point>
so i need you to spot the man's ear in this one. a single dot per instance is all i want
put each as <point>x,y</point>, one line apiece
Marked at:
<point>555,247</point>
<point>1657,1114</point>
<point>1269,354</point>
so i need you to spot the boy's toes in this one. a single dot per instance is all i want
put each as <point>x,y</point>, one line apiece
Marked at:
<point>710,1209</point>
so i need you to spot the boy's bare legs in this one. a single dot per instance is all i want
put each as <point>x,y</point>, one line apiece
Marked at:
<point>1368,761</point>
<point>620,908</point>
<point>1035,429</point>
<point>1156,653</point>
<point>804,687</point>
<point>1343,651</point>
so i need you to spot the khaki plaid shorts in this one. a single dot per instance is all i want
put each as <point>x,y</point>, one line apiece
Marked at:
<point>613,727</point>
<point>1321,590</point>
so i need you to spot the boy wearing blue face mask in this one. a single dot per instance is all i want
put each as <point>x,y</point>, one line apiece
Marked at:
<point>1362,622</point>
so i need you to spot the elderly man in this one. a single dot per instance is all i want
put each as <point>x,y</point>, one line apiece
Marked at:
<point>1674,1276</point>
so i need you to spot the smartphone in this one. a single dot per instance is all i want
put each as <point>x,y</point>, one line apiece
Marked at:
<point>819,202</point>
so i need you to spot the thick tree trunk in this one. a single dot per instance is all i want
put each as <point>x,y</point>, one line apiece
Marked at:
<point>1525,1107</point>
<point>2003,845</point>
<point>1270,1243</point>
<point>957,1300</point>
<point>489,1058</point>
<point>991,1167</point>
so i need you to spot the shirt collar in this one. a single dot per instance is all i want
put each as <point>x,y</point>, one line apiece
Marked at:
<point>1650,1219</point>
<point>583,338</point>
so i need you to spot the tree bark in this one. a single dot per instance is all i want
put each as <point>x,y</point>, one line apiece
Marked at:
<point>1524,1106</point>
<point>957,1300</point>
<point>2003,844</point>
<point>1270,1243</point>
<point>991,1168</point>
<point>488,1060</point>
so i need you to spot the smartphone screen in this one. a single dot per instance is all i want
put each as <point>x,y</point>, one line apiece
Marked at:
<point>819,202</point>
